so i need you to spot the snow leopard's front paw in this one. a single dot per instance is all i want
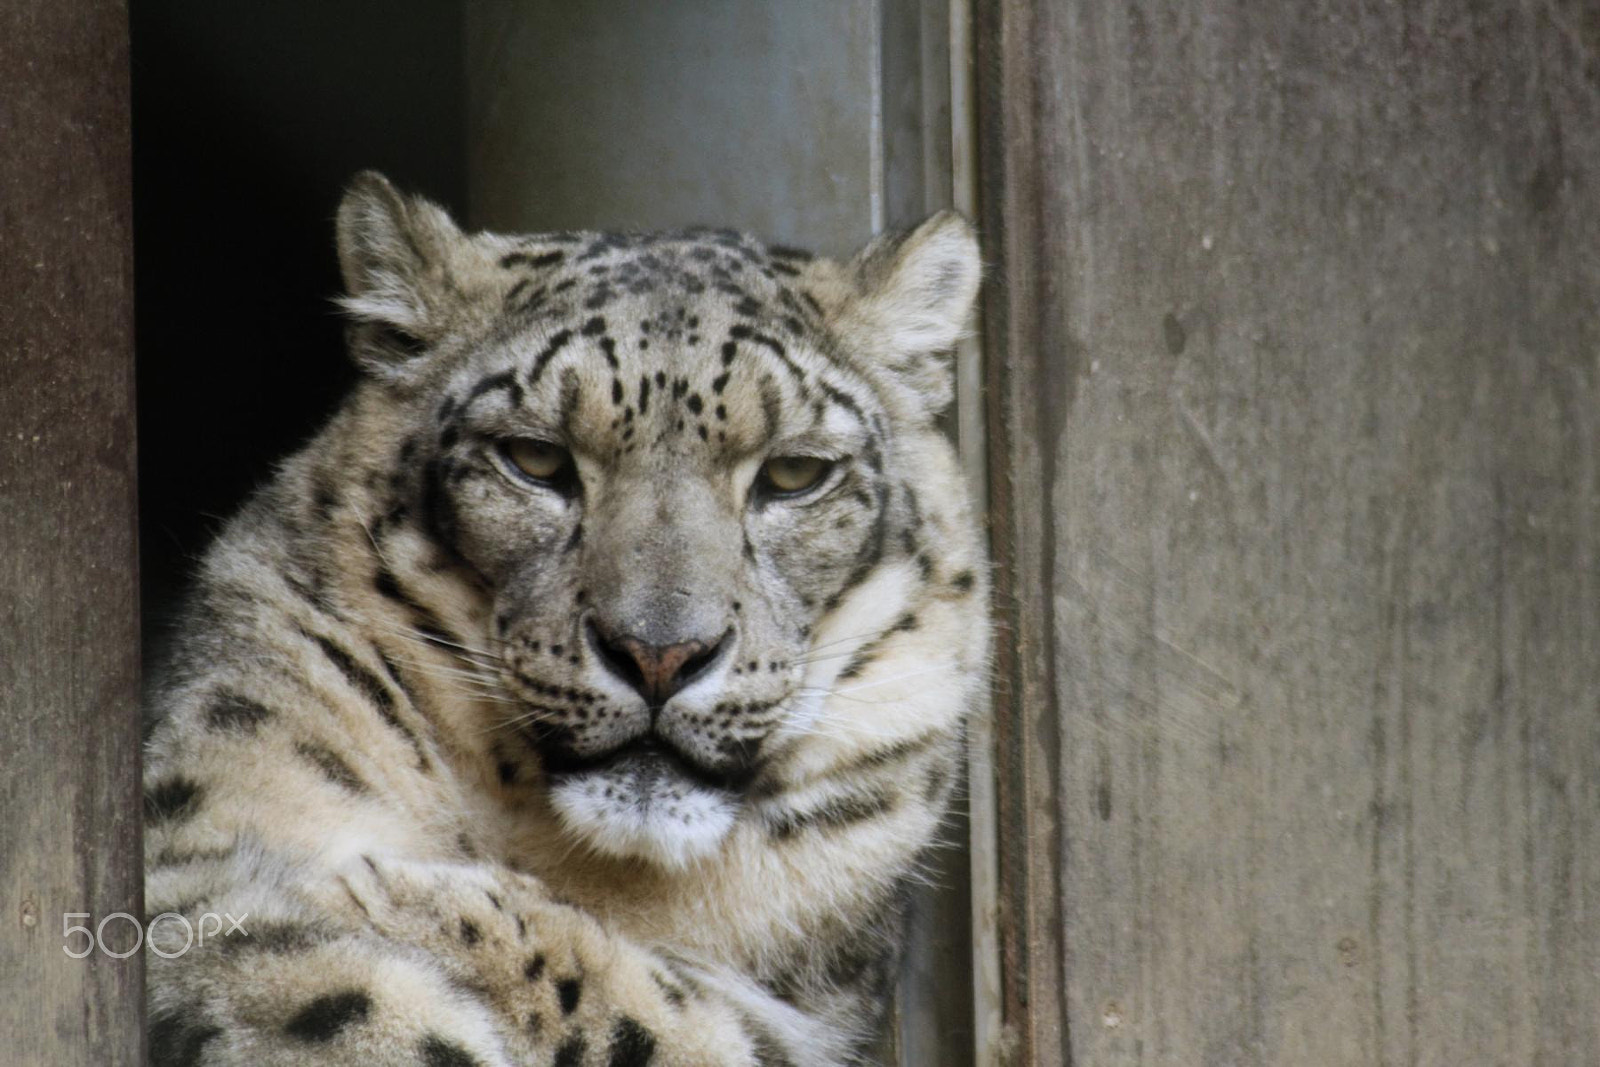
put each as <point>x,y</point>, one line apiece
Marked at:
<point>568,993</point>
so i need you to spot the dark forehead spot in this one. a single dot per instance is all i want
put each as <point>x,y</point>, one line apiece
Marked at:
<point>594,327</point>
<point>770,342</point>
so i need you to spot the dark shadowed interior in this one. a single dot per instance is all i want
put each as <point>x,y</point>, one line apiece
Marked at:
<point>248,120</point>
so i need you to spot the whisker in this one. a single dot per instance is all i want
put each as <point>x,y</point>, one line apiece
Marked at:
<point>416,636</point>
<point>893,678</point>
<point>831,694</point>
<point>824,657</point>
<point>864,634</point>
<point>439,670</point>
<point>827,724</point>
<point>514,721</point>
<point>463,682</point>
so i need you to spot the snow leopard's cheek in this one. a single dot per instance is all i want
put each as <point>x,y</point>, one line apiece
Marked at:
<point>476,508</point>
<point>816,549</point>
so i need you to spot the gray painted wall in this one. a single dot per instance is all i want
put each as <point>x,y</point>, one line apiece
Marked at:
<point>725,112</point>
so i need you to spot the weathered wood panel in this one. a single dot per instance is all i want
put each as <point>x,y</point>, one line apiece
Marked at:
<point>69,799</point>
<point>1293,356</point>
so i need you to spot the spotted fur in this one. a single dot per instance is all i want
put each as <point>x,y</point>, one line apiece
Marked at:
<point>398,733</point>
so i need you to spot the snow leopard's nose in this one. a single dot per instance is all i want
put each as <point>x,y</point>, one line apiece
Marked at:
<point>655,671</point>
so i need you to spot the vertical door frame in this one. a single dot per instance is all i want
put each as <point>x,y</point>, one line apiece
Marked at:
<point>1026,1017</point>
<point>70,818</point>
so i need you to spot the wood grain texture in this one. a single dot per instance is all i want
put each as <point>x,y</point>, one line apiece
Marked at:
<point>69,793</point>
<point>1293,367</point>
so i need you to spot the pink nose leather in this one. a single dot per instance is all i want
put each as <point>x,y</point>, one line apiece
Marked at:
<point>659,665</point>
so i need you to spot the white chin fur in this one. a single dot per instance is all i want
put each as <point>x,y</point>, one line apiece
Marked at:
<point>661,818</point>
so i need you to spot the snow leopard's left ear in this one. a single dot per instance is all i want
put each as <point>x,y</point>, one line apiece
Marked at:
<point>395,252</point>
<point>913,300</point>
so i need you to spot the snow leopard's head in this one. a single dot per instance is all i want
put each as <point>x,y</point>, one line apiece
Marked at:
<point>700,481</point>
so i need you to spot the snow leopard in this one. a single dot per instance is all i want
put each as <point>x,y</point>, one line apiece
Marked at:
<point>586,691</point>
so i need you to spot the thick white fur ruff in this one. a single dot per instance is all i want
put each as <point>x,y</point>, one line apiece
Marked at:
<point>669,828</point>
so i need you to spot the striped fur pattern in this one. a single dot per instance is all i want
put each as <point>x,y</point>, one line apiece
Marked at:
<point>397,735</point>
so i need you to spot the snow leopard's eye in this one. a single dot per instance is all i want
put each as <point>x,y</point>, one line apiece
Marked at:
<point>792,475</point>
<point>540,462</point>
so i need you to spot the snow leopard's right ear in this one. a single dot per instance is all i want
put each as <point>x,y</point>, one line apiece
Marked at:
<point>395,253</point>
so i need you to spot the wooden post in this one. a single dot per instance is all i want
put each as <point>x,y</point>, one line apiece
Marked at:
<point>69,648</point>
<point>1292,346</point>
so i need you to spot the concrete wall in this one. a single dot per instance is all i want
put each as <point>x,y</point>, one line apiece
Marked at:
<point>756,115</point>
